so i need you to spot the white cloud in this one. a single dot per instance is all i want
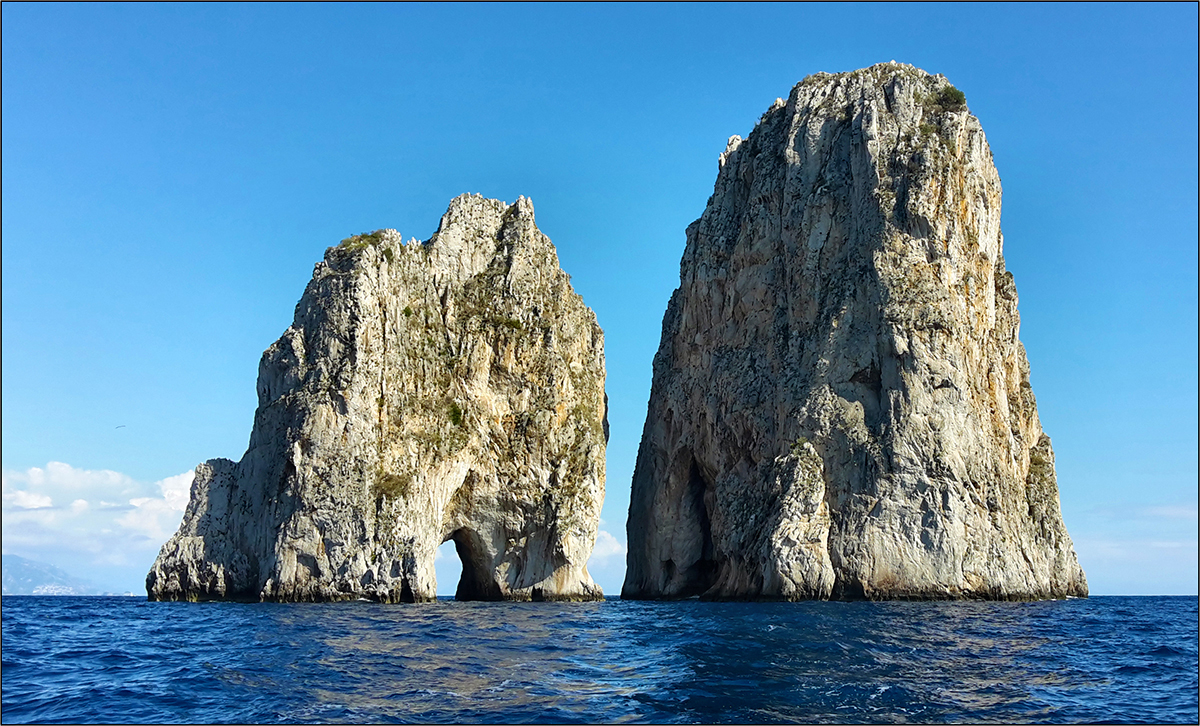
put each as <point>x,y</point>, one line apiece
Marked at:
<point>606,546</point>
<point>1121,565</point>
<point>26,500</point>
<point>177,490</point>
<point>60,476</point>
<point>1177,511</point>
<point>112,519</point>
<point>151,517</point>
<point>1169,545</point>
<point>607,563</point>
<point>159,517</point>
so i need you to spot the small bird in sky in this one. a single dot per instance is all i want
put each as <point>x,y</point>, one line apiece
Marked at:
<point>121,426</point>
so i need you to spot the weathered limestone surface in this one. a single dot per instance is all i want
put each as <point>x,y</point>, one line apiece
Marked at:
<point>448,389</point>
<point>841,405</point>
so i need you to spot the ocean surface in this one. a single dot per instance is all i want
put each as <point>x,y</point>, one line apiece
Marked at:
<point>109,659</point>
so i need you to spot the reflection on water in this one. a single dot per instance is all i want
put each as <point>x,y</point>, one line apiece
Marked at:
<point>97,659</point>
<point>453,656</point>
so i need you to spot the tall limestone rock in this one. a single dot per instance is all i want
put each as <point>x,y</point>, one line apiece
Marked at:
<point>450,389</point>
<point>840,405</point>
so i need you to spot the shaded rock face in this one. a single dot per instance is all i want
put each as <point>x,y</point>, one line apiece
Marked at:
<point>841,405</point>
<point>450,389</point>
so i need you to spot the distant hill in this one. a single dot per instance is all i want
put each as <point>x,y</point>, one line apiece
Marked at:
<point>27,577</point>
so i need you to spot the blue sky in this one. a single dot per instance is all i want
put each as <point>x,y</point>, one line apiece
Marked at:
<point>171,174</point>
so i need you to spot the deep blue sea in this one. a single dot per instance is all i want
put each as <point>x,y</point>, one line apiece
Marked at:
<point>96,659</point>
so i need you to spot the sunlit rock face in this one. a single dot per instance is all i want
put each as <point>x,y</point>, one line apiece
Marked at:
<point>840,405</point>
<point>427,391</point>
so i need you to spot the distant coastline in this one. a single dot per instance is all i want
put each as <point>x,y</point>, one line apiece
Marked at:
<point>24,577</point>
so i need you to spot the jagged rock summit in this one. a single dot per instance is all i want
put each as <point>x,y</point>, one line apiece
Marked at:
<point>427,391</point>
<point>840,405</point>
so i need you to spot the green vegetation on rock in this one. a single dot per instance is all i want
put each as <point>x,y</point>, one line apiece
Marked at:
<point>950,99</point>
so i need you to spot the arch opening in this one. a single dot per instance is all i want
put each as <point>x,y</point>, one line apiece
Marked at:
<point>448,568</point>
<point>476,581</point>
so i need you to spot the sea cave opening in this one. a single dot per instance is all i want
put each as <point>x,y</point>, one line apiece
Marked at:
<point>464,559</point>
<point>700,496</point>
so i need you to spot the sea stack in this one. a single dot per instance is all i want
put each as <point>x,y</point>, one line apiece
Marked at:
<point>841,405</point>
<point>426,391</point>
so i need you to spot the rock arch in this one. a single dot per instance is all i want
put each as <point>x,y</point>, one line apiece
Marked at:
<point>452,388</point>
